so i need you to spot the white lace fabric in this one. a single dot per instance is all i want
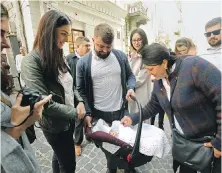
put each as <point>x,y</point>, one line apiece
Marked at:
<point>153,141</point>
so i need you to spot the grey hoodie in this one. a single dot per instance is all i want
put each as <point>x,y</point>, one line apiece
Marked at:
<point>14,157</point>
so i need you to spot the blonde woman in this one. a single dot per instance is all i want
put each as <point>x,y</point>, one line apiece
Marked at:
<point>185,46</point>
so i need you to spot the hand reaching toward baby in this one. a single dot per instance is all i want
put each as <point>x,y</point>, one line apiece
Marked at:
<point>87,121</point>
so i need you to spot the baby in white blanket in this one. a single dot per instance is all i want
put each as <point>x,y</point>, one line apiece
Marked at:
<point>153,141</point>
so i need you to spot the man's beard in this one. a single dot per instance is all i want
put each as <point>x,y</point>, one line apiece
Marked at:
<point>6,77</point>
<point>214,44</point>
<point>102,56</point>
<point>6,81</point>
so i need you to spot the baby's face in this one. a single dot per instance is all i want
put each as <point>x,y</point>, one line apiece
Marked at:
<point>112,133</point>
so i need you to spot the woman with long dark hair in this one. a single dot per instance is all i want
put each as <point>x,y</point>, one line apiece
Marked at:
<point>188,89</point>
<point>45,70</point>
<point>16,152</point>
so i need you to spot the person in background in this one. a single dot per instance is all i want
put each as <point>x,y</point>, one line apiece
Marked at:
<point>16,152</point>
<point>45,69</point>
<point>185,46</point>
<point>213,35</point>
<point>196,98</point>
<point>160,120</point>
<point>138,40</point>
<point>82,48</point>
<point>18,62</point>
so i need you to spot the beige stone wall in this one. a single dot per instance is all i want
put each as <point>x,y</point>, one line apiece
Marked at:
<point>12,29</point>
<point>85,15</point>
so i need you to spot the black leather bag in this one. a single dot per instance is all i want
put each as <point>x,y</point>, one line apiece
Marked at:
<point>192,152</point>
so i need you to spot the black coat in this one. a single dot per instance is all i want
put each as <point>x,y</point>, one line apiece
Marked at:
<point>72,60</point>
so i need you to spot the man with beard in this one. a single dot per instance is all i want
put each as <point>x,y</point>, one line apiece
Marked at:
<point>213,35</point>
<point>105,80</point>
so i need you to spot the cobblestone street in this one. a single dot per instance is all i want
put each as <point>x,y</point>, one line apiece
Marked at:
<point>93,159</point>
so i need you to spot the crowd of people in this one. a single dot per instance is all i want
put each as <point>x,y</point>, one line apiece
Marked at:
<point>99,83</point>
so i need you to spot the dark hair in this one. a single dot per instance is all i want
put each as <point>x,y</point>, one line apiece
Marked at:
<point>4,11</point>
<point>142,35</point>
<point>184,42</point>
<point>213,22</point>
<point>162,43</point>
<point>81,39</point>
<point>104,31</point>
<point>46,43</point>
<point>6,80</point>
<point>155,53</point>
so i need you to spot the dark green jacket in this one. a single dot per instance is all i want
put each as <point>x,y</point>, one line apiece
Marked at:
<point>56,118</point>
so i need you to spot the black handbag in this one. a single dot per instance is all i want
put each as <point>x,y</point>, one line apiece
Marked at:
<point>192,152</point>
<point>187,151</point>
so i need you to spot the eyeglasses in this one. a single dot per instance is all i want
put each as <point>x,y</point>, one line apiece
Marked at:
<point>216,32</point>
<point>138,40</point>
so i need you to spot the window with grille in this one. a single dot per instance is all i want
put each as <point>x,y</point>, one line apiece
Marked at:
<point>72,38</point>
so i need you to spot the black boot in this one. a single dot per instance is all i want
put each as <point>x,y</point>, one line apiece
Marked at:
<point>161,119</point>
<point>152,120</point>
<point>161,127</point>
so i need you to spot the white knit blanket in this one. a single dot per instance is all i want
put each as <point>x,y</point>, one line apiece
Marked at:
<point>153,141</point>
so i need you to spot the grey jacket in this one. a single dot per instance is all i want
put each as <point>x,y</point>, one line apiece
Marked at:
<point>213,55</point>
<point>56,118</point>
<point>14,157</point>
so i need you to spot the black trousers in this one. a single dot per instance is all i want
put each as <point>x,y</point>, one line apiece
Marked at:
<point>109,117</point>
<point>64,159</point>
<point>78,132</point>
<point>161,118</point>
<point>185,169</point>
